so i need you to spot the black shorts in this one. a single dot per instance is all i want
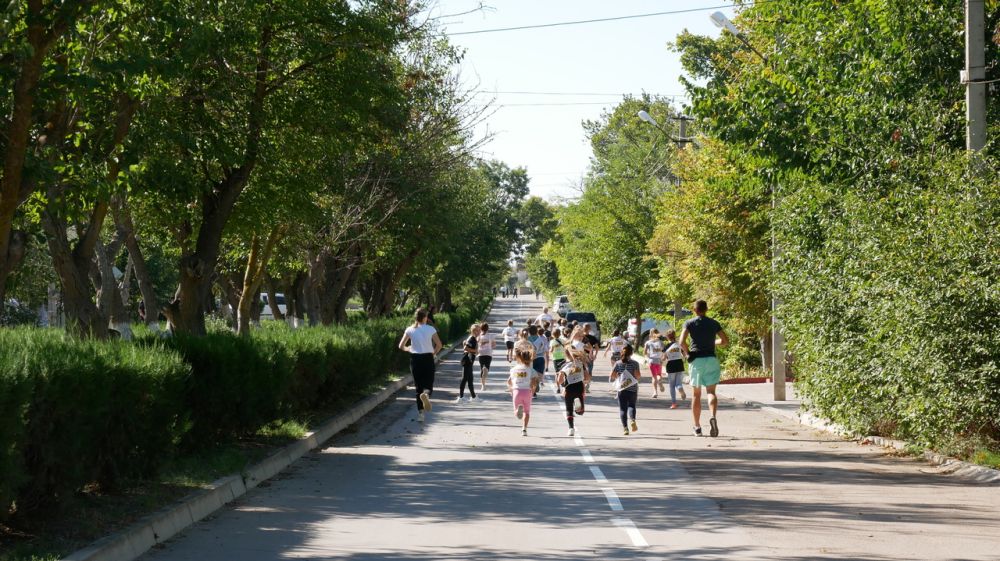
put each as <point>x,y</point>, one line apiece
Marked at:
<point>485,361</point>
<point>510,345</point>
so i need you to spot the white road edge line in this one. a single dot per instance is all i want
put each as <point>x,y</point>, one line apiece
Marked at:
<point>586,456</point>
<point>613,501</point>
<point>633,533</point>
<point>598,474</point>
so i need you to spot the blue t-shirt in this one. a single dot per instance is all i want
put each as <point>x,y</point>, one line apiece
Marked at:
<point>703,330</point>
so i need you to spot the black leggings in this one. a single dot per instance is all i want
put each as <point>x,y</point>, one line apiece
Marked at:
<point>466,379</point>
<point>485,361</point>
<point>571,392</point>
<point>626,405</point>
<point>422,369</point>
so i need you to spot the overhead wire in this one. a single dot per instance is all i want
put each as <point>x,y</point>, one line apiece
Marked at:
<point>598,20</point>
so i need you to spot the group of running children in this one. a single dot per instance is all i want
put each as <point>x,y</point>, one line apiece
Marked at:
<point>573,351</point>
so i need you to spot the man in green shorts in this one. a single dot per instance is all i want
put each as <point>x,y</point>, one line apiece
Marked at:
<point>705,369</point>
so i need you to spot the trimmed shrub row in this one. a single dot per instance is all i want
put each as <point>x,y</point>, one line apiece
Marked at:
<point>75,413</point>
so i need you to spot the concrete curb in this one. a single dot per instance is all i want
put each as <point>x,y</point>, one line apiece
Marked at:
<point>156,528</point>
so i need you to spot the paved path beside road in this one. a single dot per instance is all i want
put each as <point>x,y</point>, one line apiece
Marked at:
<point>467,486</point>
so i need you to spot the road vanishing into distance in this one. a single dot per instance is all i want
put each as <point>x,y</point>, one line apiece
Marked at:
<point>467,486</point>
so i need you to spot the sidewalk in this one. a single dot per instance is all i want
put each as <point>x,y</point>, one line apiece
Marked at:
<point>762,396</point>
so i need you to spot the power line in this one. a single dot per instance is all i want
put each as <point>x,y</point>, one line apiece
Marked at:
<point>556,104</point>
<point>581,94</point>
<point>598,20</point>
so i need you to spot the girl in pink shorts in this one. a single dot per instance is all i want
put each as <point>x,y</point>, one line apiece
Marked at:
<point>521,384</point>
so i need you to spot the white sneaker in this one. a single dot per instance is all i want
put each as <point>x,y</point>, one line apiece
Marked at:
<point>571,432</point>
<point>524,432</point>
<point>426,400</point>
<point>459,400</point>
<point>420,416</point>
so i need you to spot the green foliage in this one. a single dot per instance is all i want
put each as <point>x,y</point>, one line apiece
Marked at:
<point>901,309</point>
<point>601,244</point>
<point>75,413</point>
<point>888,261</point>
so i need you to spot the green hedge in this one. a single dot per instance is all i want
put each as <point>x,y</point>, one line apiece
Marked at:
<point>74,413</point>
<point>892,300</point>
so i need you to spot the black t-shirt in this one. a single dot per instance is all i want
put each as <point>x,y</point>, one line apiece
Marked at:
<point>471,343</point>
<point>703,331</point>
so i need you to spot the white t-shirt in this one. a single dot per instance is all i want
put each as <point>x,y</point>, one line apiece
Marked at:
<point>674,352</point>
<point>520,377</point>
<point>574,372</point>
<point>654,351</point>
<point>421,338</point>
<point>616,344</point>
<point>541,345</point>
<point>543,317</point>
<point>510,334</point>
<point>486,341</point>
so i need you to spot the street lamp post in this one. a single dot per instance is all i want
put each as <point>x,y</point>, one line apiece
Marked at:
<point>681,140</point>
<point>778,365</point>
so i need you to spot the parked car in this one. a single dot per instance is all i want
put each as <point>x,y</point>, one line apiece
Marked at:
<point>266,313</point>
<point>586,318</point>
<point>649,322</point>
<point>561,305</point>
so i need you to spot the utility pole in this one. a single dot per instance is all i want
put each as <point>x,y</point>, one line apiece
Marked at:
<point>974,75</point>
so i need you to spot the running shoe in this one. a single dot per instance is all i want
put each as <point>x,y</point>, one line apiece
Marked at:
<point>655,395</point>
<point>578,405</point>
<point>420,416</point>
<point>626,431</point>
<point>697,431</point>
<point>426,400</point>
<point>571,432</point>
<point>683,394</point>
<point>673,406</point>
<point>635,427</point>
<point>524,432</point>
<point>520,412</point>
<point>458,399</point>
<point>714,431</point>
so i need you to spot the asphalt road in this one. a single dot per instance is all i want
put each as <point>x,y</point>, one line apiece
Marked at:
<point>467,486</point>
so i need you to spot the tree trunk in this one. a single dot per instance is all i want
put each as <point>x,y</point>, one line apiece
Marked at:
<point>272,298</point>
<point>108,297</point>
<point>346,293</point>
<point>13,189</point>
<point>254,276</point>
<point>126,227</point>
<point>82,315</point>
<point>187,312</point>
<point>445,303</point>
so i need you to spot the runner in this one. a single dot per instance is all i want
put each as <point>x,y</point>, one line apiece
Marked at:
<point>615,346</point>
<point>705,369</point>
<point>625,376</point>
<point>594,347</point>
<point>544,317</point>
<point>654,352</point>
<point>468,359</point>
<point>675,369</point>
<point>572,377</point>
<point>486,344</point>
<point>422,342</point>
<point>509,337</point>
<point>503,291</point>
<point>522,386</point>
<point>539,345</point>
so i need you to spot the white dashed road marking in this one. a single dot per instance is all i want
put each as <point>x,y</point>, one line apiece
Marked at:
<point>633,533</point>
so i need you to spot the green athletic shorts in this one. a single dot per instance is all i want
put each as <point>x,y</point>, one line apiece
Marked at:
<point>705,371</point>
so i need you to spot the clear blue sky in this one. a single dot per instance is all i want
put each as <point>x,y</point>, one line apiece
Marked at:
<point>617,57</point>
